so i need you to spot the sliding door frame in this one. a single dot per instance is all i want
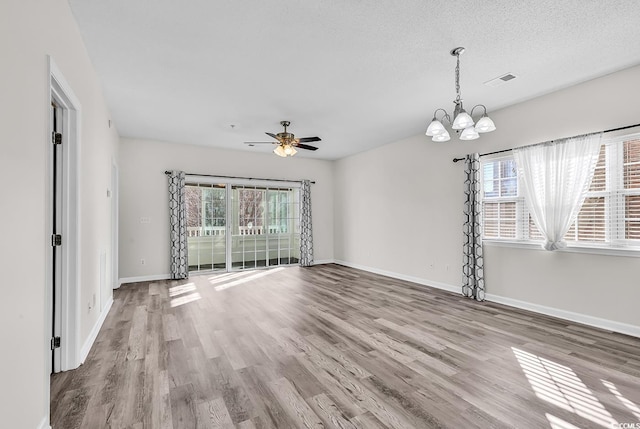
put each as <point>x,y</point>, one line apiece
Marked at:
<point>230,183</point>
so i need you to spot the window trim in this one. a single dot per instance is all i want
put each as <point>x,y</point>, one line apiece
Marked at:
<point>537,245</point>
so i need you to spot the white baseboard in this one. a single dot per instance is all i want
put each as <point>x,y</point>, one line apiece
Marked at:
<point>596,322</point>
<point>143,279</point>
<point>155,277</point>
<point>86,347</point>
<point>418,280</point>
<point>44,424</point>
<point>323,261</point>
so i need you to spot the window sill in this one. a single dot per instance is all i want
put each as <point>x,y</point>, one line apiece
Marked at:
<point>609,251</point>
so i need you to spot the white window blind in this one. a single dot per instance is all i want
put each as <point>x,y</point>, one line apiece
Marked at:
<point>590,226</point>
<point>500,203</point>
<point>609,217</point>
<point>630,190</point>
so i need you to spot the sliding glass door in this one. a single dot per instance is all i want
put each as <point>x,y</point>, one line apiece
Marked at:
<point>206,226</point>
<point>237,227</point>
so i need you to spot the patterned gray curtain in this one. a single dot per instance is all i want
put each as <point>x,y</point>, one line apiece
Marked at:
<point>306,233</point>
<point>178,226</point>
<point>473,263</point>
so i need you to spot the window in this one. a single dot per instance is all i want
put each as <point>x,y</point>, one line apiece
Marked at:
<point>205,209</point>
<point>251,211</point>
<point>591,225</point>
<point>609,217</point>
<point>266,210</point>
<point>501,202</point>
<point>631,189</point>
<point>280,204</point>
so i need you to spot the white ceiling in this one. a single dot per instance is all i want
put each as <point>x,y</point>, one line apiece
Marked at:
<point>357,73</point>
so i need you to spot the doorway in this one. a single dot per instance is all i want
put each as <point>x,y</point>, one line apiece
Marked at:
<point>62,322</point>
<point>238,226</point>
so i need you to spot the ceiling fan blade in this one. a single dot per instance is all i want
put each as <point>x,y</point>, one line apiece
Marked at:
<point>306,146</point>
<point>273,135</point>
<point>252,143</point>
<point>309,139</point>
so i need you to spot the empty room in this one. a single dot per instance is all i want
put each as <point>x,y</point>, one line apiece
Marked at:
<point>290,214</point>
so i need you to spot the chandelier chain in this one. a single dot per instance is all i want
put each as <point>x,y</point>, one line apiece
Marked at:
<point>457,78</point>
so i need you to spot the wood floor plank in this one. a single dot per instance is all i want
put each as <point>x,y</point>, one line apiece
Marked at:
<point>298,410</point>
<point>329,412</point>
<point>184,410</point>
<point>214,414</point>
<point>231,350</point>
<point>138,336</point>
<point>331,346</point>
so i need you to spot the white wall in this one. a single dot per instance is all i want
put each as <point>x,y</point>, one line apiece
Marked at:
<point>26,38</point>
<point>143,193</point>
<point>410,193</point>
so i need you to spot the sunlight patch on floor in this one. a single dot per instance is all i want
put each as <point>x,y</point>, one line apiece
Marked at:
<point>560,386</point>
<point>558,423</point>
<point>253,276</point>
<point>220,278</point>
<point>181,300</point>
<point>635,410</point>
<point>183,294</point>
<point>180,289</point>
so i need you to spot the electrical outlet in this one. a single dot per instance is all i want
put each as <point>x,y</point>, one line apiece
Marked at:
<point>142,262</point>
<point>145,220</point>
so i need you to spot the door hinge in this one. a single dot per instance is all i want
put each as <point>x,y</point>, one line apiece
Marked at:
<point>56,138</point>
<point>55,343</point>
<point>56,240</point>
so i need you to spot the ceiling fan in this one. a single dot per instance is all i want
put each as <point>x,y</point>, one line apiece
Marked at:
<point>287,142</point>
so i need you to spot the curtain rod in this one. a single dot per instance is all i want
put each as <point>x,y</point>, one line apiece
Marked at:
<point>239,177</point>
<point>508,150</point>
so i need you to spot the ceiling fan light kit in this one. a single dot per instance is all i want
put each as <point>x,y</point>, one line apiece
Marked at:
<point>287,142</point>
<point>285,150</point>
<point>461,119</point>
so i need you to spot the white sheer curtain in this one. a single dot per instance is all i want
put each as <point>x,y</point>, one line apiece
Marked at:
<point>554,179</point>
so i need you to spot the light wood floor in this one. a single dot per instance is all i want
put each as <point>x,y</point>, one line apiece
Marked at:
<point>340,348</point>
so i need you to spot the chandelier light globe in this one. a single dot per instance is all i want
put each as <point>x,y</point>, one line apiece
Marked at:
<point>288,149</point>
<point>280,151</point>
<point>469,133</point>
<point>442,137</point>
<point>435,128</point>
<point>485,125</point>
<point>462,122</point>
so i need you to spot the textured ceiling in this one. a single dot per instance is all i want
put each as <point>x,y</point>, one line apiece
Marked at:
<point>358,73</point>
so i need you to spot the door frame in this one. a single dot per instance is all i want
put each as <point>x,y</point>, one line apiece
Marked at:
<point>115,228</point>
<point>61,93</point>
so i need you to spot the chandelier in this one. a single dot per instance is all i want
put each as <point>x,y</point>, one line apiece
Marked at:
<point>461,119</point>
